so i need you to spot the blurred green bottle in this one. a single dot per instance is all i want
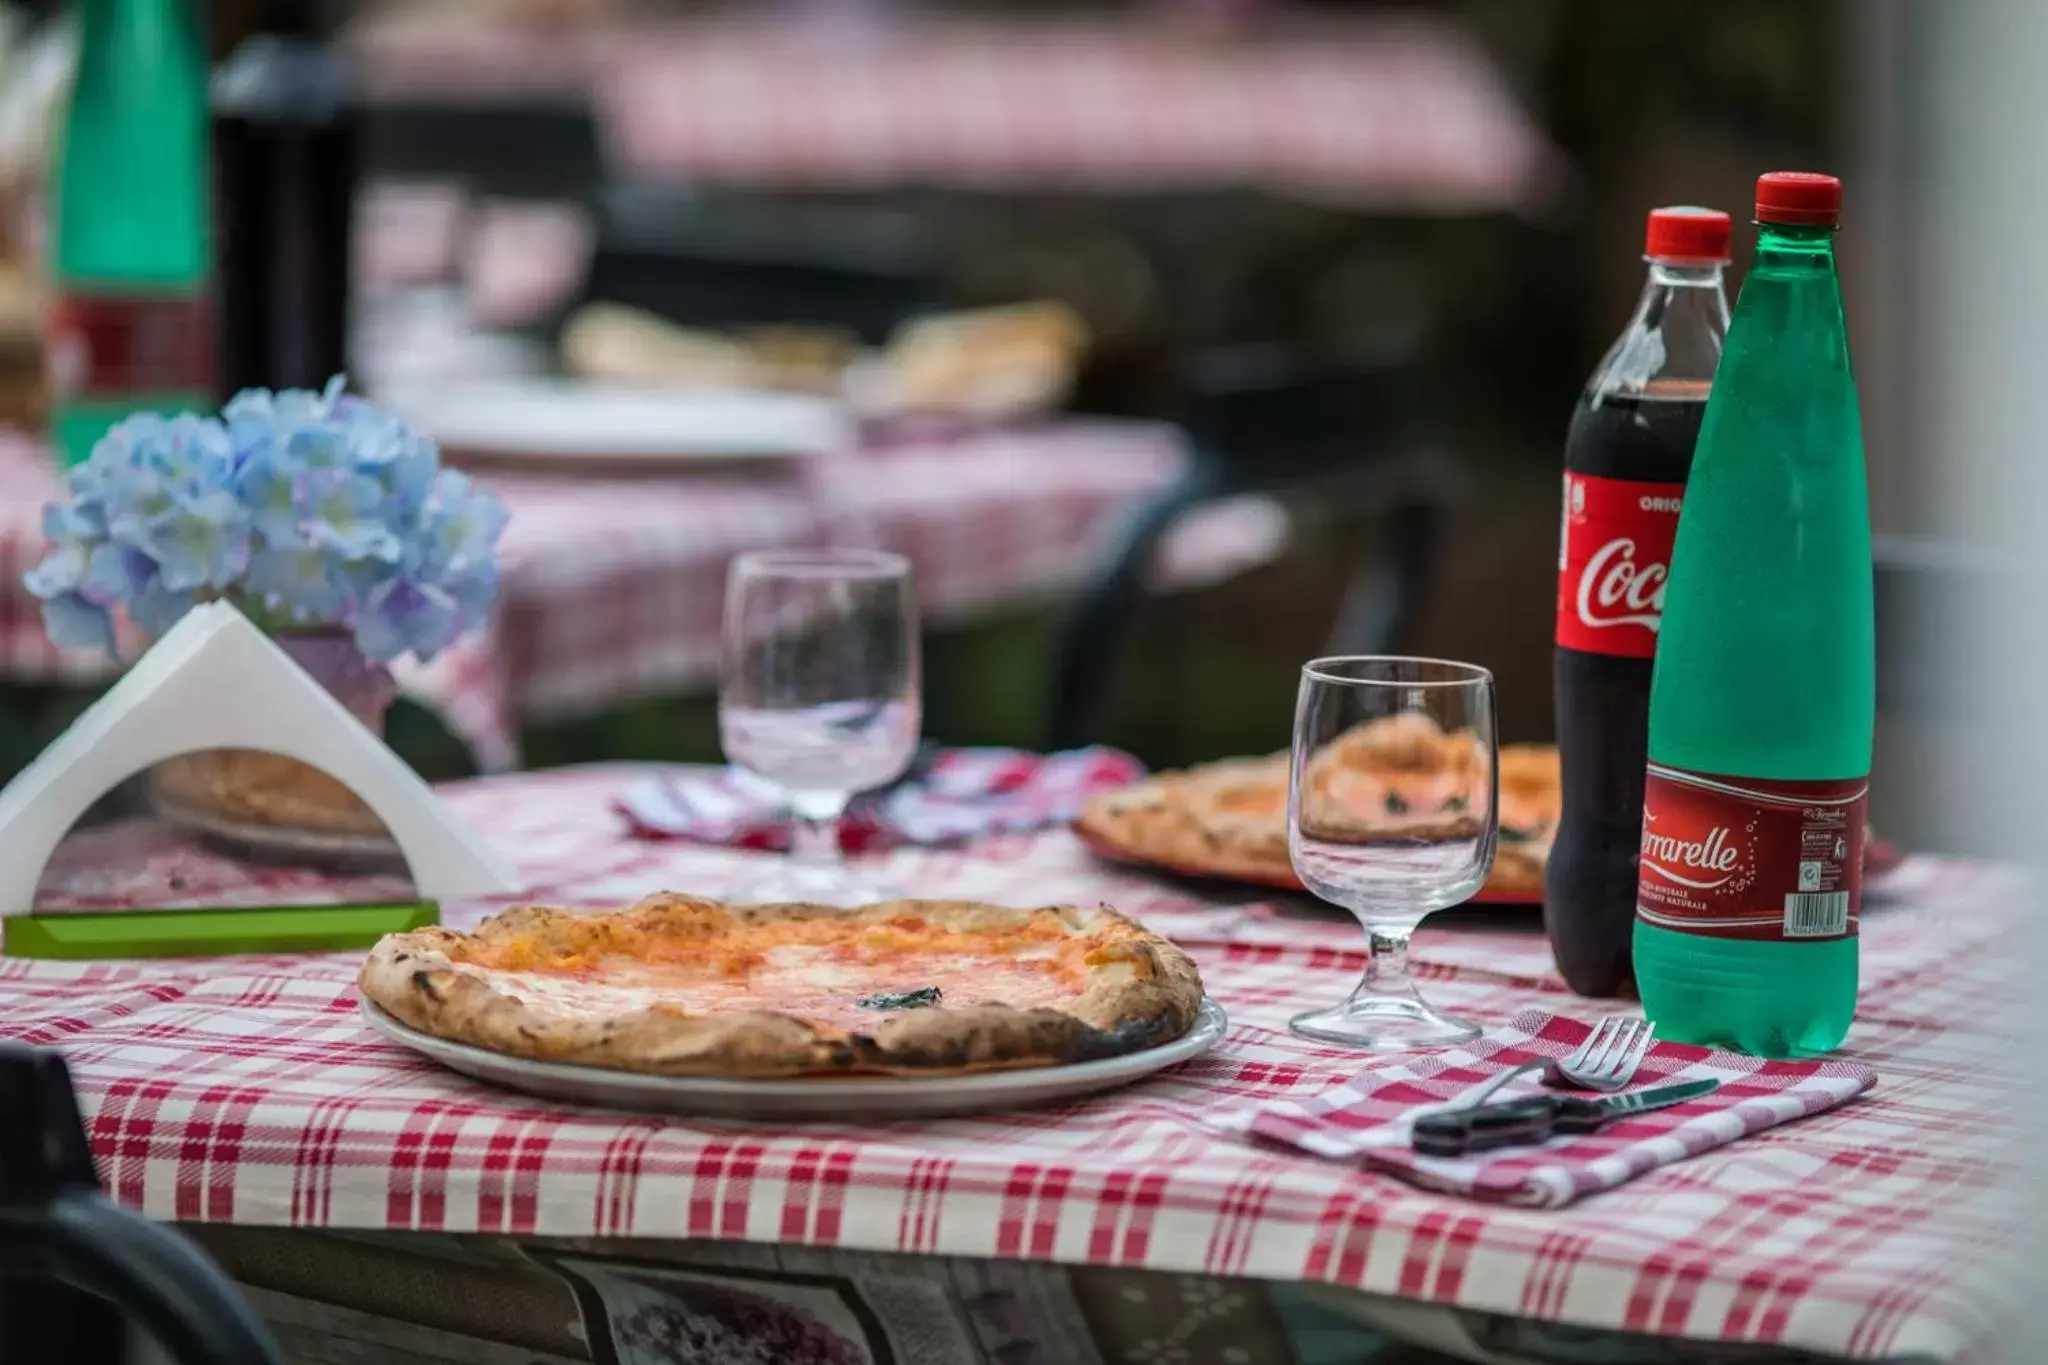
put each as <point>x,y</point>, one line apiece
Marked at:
<point>128,328</point>
<point>1763,695</point>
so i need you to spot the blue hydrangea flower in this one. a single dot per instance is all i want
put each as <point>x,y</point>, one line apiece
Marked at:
<point>294,582</point>
<point>157,608</point>
<point>162,486</point>
<point>268,484</point>
<point>459,527</point>
<point>148,464</point>
<point>259,421</point>
<point>400,614</point>
<point>116,573</point>
<point>412,468</point>
<point>347,515</point>
<point>202,542</point>
<point>74,623</point>
<point>319,508</point>
<point>63,569</point>
<point>81,520</point>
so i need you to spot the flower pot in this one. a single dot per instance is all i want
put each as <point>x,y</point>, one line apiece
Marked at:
<point>253,790</point>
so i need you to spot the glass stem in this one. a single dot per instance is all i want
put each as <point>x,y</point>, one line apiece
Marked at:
<point>814,834</point>
<point>1386,969</point>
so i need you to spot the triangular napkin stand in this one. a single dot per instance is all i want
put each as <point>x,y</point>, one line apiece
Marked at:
<point>214,681</point>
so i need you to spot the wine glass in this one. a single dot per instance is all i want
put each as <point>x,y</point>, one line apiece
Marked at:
<point>819,695</point>
<point>1392,813</point>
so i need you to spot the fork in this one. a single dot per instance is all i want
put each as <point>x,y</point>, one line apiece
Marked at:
<point>1605,1062</point>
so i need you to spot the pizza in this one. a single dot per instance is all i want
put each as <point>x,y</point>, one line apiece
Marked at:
<point>681,986</point>
<point>1401,777</point>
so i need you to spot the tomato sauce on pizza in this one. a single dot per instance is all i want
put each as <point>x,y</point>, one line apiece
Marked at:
<point>835,975</point>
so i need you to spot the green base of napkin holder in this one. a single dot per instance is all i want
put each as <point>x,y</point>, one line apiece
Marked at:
<point>89,934</point>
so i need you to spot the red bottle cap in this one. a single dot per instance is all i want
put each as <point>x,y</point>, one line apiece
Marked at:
<point>1685,233</point>
<point>1801,198</point>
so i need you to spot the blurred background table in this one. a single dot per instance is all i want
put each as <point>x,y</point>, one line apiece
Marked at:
<point>744,168</point>
<point>612,587</point>
<point>499,151</point>
<point>1381,112</point>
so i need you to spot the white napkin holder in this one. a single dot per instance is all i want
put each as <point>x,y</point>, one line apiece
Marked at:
<point>214,681</point>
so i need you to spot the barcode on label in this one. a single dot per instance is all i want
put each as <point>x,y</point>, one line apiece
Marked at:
<point>1816,914</point>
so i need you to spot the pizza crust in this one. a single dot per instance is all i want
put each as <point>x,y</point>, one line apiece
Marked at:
<point>1140,991</point>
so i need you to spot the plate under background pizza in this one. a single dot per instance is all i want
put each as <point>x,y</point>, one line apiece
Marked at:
<point>1402,775</point>
<point>681,986</point>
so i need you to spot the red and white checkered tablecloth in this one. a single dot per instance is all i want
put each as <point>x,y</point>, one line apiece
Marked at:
<point>612,589</point>
<point>1387,113</point>
<point>246,1090</point>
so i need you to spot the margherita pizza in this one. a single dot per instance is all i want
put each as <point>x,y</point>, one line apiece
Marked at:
<point>686,987</point>
<point>1402,777</point>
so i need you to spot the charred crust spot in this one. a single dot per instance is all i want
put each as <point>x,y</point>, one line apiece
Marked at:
<point>423,982</point>
<point>1131,1036</point>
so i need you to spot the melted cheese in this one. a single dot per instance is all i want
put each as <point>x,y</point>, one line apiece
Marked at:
<point>817,971</point>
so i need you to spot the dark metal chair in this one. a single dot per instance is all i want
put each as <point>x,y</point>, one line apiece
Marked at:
<point>1262,420</point>
<point>76,1268</point>
<point>517,149</point>
<point>717,262</point>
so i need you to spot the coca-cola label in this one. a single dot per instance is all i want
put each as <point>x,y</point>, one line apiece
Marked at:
<point>141,345</point>
<point>1613,557</point>
<point>1749,857</point>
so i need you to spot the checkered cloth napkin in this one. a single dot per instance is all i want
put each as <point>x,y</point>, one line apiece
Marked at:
<point>1369,1117</point>
<point>951,795</point>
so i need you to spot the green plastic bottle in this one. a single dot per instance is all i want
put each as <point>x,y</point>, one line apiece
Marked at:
<point>128,328</point>
<point>1763,694</point>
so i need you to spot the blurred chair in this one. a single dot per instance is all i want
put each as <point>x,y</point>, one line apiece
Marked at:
<point>515,149</point>
<point>717,262</point>
<point>68,1254</point>
<point>1261,419</point>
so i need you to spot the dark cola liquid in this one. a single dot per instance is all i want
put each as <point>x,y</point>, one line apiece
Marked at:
<point>1603,716</point>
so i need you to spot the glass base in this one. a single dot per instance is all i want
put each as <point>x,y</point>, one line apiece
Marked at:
<point>1383,1024</point>
<point>811,884</point>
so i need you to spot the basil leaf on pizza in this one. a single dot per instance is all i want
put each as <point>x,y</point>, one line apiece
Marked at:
<point>902,1000</point>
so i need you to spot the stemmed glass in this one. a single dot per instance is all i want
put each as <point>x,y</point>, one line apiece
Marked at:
<point>819,696</point>
<point>1392,813</point>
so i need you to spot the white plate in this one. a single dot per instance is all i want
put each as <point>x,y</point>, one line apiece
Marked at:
<point>807,1097</point>
<point>555,424</point>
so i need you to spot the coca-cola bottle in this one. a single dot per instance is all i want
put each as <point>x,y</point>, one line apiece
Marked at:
<point>1626,460</point>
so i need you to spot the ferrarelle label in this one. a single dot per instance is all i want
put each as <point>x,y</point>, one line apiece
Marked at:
<point>1757,858</point>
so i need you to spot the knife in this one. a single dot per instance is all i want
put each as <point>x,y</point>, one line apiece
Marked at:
<point>1458,1131</point>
